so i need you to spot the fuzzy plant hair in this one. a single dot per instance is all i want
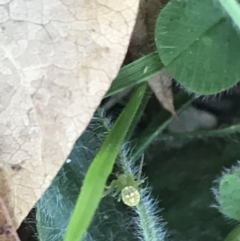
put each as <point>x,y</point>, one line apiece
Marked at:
<point>111,221</point>
<point>147,221</point>
<point>226,189</point>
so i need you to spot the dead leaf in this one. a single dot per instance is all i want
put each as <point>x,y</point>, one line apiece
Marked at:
<point>142,43</point>
<point>57,60</point>
<point>7,231</point>
<point>161,85</point>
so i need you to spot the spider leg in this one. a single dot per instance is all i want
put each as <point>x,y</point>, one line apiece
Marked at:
<point>107,192</point>
<point>119,197</point>
<point>141,182</point>
<point>115,193</point>
<point>110,188</point>
<point>140,169</point>
<point>112,185</point>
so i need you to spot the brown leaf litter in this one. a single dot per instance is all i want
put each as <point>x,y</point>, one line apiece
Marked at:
<point>56,64</point>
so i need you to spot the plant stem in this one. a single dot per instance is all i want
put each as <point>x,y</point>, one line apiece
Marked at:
<point>209,133</point>
<point>150,225</point>
<point>158,124</point>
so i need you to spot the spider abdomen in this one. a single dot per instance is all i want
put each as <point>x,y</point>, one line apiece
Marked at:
<point>130,196</point>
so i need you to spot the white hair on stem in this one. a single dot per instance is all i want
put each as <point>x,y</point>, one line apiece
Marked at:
<point>215,191</point>
<point>147,221</point>
<point>150,226</point>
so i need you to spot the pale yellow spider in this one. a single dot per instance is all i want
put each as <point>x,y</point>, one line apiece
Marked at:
<point>126,186</point>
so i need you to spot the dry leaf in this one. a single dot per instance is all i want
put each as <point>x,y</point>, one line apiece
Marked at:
<point>161,85</point>
<point>142,42</point>
<point>57,60</point>
<point>7,230</point>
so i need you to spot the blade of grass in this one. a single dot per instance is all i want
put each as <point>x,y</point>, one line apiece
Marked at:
<point>232,7</point>
<point>139,113</point>
<point>159,123</point>
<point>101,167</point>
<point>135,73</point>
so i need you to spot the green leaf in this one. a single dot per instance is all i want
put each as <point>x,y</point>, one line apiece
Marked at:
<point>234,235</point>
<point>99,170</point>
<point>198,45</point>
<point>57,204</point>
<point>229,195</point>
<point>135,73</point>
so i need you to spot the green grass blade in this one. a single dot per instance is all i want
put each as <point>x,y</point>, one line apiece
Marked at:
<point>159,123</point>
<point>139,113</point>
<point>101,167</point>
<point>232,8</point>
<point>135,73</point>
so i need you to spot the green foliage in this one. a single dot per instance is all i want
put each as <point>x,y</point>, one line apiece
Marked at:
<point>159,123</point>
<point>99,170</point>
<point>234,235</point>
<point>135,73</point>
<point>55,207</point>
<point>181,173</point>
<point>198,45</point>
<point>229,194</point>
